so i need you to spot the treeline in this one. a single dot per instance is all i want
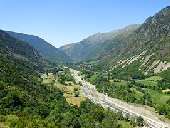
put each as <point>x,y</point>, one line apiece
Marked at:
<point>123,92</point>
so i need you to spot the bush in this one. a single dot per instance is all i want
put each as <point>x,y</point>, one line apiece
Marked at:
<point>75,89</point>
<point>168,92</point>
<point>76,94</point>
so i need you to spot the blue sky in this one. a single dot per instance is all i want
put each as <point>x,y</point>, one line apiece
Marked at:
<point>62,22</point>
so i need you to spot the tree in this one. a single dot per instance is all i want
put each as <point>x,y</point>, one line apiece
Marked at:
<point>76,94</point>
<point>168,101</point>
<point>75,89</point>
<point>140,121</point>
<point>110,120</point>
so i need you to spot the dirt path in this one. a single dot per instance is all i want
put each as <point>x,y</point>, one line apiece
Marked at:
<point>89,91</point>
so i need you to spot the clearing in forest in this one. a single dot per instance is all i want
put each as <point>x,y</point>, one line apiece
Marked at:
<point>70,92</point>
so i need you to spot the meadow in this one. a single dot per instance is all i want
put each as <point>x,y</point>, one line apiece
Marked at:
<point>67,89</point>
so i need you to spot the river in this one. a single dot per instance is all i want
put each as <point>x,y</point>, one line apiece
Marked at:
<point>89,91</point>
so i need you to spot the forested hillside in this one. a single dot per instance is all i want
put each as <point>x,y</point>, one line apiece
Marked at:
<point>106,47</point>
<point>26,102</point>
<point>78,51</point>
<point>130,65</point>
<point>45,49</point>
<point>137,69</point>
<point>11,46</point>
<point>152,38</point>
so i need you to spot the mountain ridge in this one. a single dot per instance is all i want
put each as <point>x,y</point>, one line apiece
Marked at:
<point>106,48</point>
<point>153,36</point>
<point>77,50</point>
<point>45,49</point>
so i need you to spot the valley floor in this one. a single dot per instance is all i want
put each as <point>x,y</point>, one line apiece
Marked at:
<point>89,91</point>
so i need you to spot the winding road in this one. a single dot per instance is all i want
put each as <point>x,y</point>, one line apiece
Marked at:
<point>89,91</point>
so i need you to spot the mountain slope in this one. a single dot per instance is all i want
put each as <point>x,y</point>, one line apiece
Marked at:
<point>45,49</point>
<point>26,102</point>
<point>11,46</point>
<point>105,48</point>
<point>150,41</point>
<point>77,50</point>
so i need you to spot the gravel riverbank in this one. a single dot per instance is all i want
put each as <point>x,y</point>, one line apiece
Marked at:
<point>89,91</point>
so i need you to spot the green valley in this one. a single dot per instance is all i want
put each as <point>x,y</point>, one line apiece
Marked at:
<point>27,102</point>
<point>118,79</point>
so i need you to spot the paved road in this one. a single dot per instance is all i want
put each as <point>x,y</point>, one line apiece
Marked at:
<point>89,91</point>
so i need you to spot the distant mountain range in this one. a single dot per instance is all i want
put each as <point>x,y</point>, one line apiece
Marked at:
<point>78,51</point>
<point>45,49</point>
<point>147,45</point>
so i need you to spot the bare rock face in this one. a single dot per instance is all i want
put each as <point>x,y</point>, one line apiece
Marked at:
<point>152,35</point>
<point>162,66</point>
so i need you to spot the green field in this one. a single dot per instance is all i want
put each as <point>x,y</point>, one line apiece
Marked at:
<point>93,62</point>
<point>137,93</point>
<point>125,124</point>
<point>159,98</point>
<point>93,77</point>
<point>123,83</point>
<point>49,78</point>
<point>154,78</point>
<point>68,91</point>
<point>145,82</point>
<point>152,81</point>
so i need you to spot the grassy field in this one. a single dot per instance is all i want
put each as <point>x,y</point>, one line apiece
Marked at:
<point>49,78</point>
<point>93,62</point>
<point>152,81</point>
<point>167,90</point>
<point>93,77</point>
<point>145,82</point>
<point>68,91</point>
<point>69,94</point>
<point>137,93</point>
<point>125,124</point>
<point>123,83</point>
<point>3,126</point>
<point>159,98</point>
<point>154,78</point>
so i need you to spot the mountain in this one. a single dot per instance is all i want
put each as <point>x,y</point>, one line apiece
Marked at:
<point>106,47</point>
<point>45,49</point>
<point>26,102</point>
<point>76,51</point>
<point>18,48</point>
<point>149,45</point>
